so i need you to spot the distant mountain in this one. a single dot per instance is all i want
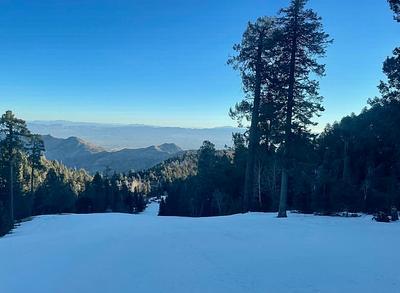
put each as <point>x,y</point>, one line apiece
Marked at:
<point>72,147</point>
<point>77,153</point>
<point>117,136</point>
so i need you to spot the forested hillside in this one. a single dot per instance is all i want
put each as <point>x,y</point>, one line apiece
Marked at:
<point>31,185</point>
<point>28,182</point>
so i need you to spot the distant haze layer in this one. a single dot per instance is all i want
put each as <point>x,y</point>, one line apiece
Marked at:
<point>115,136</point>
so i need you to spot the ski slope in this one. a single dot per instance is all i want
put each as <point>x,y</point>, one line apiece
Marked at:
<point>120,253</point>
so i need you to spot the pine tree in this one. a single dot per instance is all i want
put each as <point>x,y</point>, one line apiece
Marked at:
<point>303,41</point>
<point>36,149</point>
<point>141,203</point>
<point>116,196</point>
<point>390,90</point>
<point>55,195</point>
<point>98,194</point>
<point>395,5</point>
<point>254,61</point>
<point>127,197</point>
<point>15,133</point>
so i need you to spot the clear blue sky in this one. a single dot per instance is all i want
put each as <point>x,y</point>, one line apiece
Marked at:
<point>163,62</point>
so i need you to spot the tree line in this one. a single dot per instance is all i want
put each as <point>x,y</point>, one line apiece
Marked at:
<point>31,185</point>
<point>279,163</point>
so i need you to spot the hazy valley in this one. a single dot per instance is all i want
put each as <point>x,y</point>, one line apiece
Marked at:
<point>119,136</point>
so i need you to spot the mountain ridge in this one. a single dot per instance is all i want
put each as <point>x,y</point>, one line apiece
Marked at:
<point>77,153</point>
<point>119,136</point>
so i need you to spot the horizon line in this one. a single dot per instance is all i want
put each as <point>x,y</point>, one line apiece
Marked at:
<point>116,124</point>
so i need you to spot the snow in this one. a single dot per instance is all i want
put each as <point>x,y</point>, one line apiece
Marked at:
<point>243,253</point>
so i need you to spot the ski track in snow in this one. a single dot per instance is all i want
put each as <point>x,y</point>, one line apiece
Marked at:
<point>121,253</point>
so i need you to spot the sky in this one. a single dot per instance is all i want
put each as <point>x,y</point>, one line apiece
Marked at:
<point>163,62</point>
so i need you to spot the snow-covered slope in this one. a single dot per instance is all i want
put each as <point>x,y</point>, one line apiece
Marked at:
<point>243,253</point>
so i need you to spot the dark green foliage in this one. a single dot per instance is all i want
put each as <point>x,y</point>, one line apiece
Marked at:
<point>278,60</point>
<point>83,205</point>
<point>14,133</point>
<point>115,194</point>
<point>216,189</point>
<point>116,198</point>
<point>303,43</point>
<point>4,218</point>
<point>139,203</point>
<point>155,181</point>
<point>395,5</point>
<point>54,188</point>
<point>351,166</point>
<point>256,60</point>
<point>54,196</point>
<point>374,161</point>
<point>96,192</point>
<point>390,90</point>
<point>367,145</point>
<point>39,186</point>
<point>36,149</point>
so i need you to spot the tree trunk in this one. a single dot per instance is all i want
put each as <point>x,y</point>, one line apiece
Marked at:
<point>346,163</point>
<point>288,124</point>
<point>12,191</point>
<point>259,184</point>
<point>250,185</point>
<point>32,171</point>
<point>31,200</point>
<point>367,185</point>
<point>283,196</point>
<point>273,185</point>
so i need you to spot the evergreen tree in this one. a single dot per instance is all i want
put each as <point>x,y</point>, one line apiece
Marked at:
<point>108,194</point>
<point>15,133</point>
<point>303,42</point>
<point>207,170</point>
<point>117,202</point>
<point>141,204</point>
<point>127,198</point>
<point>390,90</point>
<point>54,195</point>
<point>97,193</point>
<point>395,5</point>
<point>255,62</point>
<point>36,149</point>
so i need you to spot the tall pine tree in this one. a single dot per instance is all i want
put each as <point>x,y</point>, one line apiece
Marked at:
<point>36,149</point>
<point>254,59</point>
<point>303,42</point>
<point>15,133</point>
